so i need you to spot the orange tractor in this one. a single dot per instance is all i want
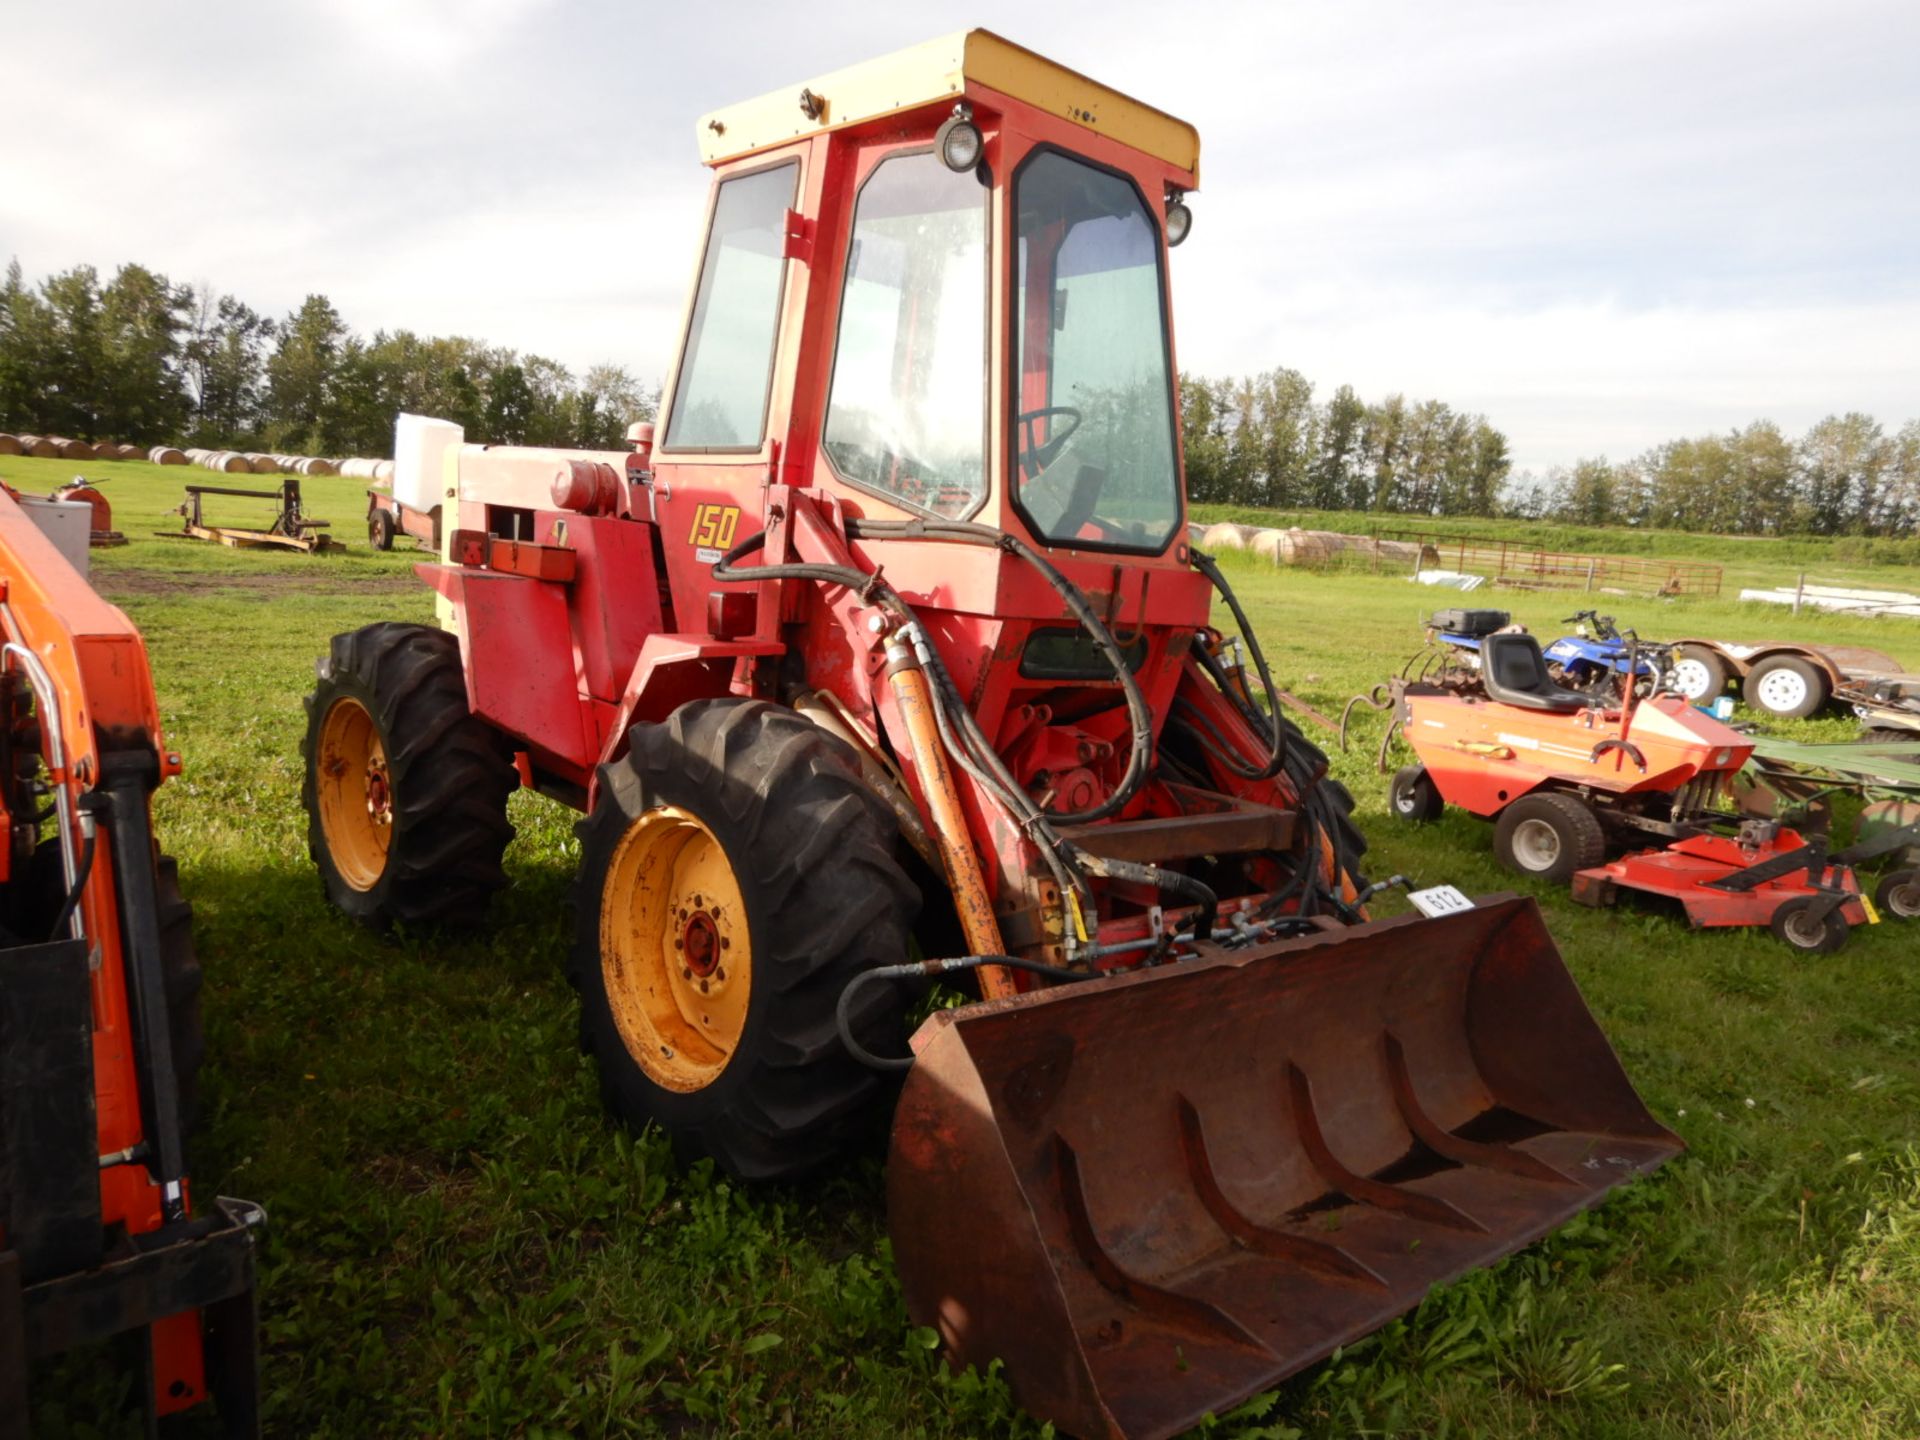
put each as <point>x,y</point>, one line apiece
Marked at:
<point>100,1039</point>
<point>891,663</point>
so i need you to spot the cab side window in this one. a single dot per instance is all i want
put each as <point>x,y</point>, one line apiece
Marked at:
<point>726,372</point>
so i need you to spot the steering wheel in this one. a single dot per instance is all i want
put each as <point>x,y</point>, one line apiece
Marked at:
<point>1042,455</point>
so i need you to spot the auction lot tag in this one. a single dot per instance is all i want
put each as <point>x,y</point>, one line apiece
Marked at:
<point>1873,911</point>
<point>1439,900</point>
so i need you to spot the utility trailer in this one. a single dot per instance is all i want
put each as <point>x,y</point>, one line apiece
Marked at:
<point>1781,677</point>
<point>388,518</point>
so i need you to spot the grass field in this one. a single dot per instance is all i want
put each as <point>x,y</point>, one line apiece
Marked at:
<point>461,1244</point>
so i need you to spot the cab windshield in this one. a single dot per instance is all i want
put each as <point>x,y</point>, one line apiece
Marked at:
<point>1093,443</point>
<point>907,413</point>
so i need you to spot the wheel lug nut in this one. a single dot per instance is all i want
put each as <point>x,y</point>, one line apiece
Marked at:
<point>685,973</point>
<point>721,973</point>
<point>703,987</point>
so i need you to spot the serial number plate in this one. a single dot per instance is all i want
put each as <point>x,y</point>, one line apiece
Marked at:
<point>1439,900</point>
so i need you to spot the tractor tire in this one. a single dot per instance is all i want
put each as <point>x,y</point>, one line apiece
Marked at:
<point>1898,894</point>
<point>1788,687</point>
<point>380,529</point>
<point>1793,924</point>
<point>1699,675</point>
<point>1549,835</point>
<point>739,837</point>
<point>405,791</point>
<point>1413,796</point>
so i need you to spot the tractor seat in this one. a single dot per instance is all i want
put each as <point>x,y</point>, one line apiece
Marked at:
<point>1515,673</point>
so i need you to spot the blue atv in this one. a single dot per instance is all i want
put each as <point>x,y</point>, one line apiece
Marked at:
<point>1594,659</point>
<point>1597,659</point>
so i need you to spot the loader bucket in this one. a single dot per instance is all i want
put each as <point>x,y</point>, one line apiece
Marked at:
<point>1154,1195</point>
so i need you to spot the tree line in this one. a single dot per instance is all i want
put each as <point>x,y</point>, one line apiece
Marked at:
<point>143,360</point>
<point>1845,476</point>
<point>1263,441</point>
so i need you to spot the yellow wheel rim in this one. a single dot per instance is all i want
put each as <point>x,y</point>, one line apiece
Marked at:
<point>356,796</point>
<point>674,950</point>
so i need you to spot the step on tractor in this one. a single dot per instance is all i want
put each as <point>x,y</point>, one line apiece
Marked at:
<point>1612,794</point>
<point>100,1038</point>
<point>890,663</point>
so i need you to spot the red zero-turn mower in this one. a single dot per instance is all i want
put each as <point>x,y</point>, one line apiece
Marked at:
<point>1568,778</point>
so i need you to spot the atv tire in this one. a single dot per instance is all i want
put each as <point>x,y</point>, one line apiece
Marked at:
<point>1549,835</point>
<point>738,835</point>
<point>389,737</point>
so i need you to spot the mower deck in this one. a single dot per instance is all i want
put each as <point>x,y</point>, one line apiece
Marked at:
<point>1722,883</point>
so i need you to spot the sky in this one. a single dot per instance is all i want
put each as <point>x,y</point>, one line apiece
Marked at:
<point>1602,226</point>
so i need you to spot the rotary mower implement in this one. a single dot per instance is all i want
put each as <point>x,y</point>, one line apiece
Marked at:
<point>884,651</point>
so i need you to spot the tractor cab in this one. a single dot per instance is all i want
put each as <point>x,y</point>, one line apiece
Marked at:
<point>935,285</point>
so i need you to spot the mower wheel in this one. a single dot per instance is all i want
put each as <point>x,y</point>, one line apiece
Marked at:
<point>380,529</point>
<point>1898,894</point>
<point>1787,686</point>
<point>1413,795</point>
<point>1794,923</point>
<point>405,791</point>
<point>1698,674</point>
<point>735,873</point>
<point>1549,835</point>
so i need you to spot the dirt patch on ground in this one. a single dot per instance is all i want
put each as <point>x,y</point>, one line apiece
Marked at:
<point>135,582</point>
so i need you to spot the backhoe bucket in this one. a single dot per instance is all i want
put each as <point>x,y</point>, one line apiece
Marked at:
<point>1155,1195</point>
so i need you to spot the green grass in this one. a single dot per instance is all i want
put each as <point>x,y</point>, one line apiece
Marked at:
<point>462,1244</point>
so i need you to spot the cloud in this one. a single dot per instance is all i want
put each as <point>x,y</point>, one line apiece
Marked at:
<point>1600,226</point>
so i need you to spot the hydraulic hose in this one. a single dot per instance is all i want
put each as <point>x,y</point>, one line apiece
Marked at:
<point>920,970</point>
<point>1139,716</point>
<point>1275,732</point>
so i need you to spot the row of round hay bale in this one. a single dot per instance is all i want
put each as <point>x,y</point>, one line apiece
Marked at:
<point>222,462</point>
<point>1226,537</point>
<point>166,455</point>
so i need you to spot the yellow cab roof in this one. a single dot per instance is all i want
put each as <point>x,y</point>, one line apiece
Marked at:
<point>932,72</point>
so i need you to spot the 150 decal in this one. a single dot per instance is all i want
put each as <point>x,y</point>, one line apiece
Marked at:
<point>713,526</point>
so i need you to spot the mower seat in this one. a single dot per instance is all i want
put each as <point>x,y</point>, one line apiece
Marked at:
<point>1515,673</point>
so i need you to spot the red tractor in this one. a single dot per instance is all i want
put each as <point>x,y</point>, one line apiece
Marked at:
<point>891,663</point>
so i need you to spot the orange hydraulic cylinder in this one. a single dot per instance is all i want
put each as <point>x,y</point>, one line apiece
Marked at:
<point>950,833</point>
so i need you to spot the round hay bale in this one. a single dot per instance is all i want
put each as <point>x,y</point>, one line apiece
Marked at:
<point>231,464</point>
<point>166,455</point>
<point>1305,547</point>
<point>1266,544</point>
<point>383,472</point>
<point>39,447</point>
<point>68,449</point>
<point>317,466</point>
<point>1225,537</point>
<point>9,444</point>
<point>132,452</point>
<point>262,464</point>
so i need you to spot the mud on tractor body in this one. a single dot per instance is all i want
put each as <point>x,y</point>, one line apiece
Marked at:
<point>891,661</point>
